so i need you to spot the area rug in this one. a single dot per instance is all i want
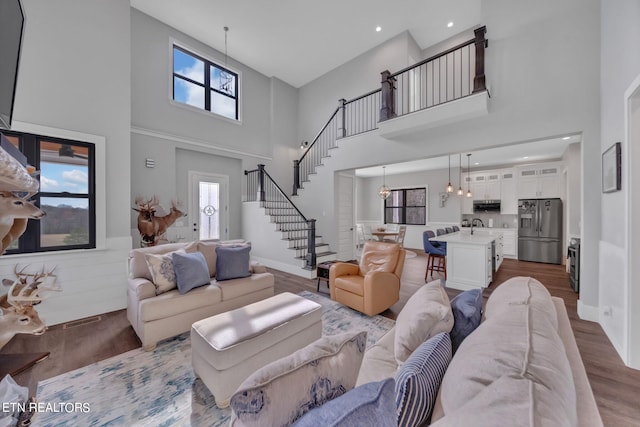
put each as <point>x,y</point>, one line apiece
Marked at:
<point>159,388</point>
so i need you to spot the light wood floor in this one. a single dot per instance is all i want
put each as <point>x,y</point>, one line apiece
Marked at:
<point>616,387</point>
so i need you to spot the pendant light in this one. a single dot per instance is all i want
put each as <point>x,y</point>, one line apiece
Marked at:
<point>460,190</point>
<point>225,78</point>
<point>449,187</point>
<point>468,168</point>
<point>384,191</point>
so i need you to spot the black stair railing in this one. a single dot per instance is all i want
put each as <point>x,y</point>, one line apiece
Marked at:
<point>352,117</point>
<point>453,74</point>
<point>262,188</point>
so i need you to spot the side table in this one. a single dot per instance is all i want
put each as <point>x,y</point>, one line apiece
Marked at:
<point>322,271</point>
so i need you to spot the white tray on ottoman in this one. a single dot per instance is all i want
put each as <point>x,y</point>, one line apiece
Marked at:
<point>228,347</point>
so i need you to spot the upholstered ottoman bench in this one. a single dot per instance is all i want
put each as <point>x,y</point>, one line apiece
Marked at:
<point>228,347</point>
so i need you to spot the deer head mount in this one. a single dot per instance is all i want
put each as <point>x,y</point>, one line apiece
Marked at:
<point>151,227</point>
<point>16,307</point>
<point>14,213</point>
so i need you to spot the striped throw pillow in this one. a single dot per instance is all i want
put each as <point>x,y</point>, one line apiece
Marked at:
<point>418,380</point>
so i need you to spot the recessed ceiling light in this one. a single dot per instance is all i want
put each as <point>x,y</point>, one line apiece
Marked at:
<point>476,163</point>
<point>525,157</point>
<point>566,137</point>
<point>450,24</point>
<point>378,29</point>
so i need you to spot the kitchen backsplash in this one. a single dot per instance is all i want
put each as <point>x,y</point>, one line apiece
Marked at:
<point>499,220</point>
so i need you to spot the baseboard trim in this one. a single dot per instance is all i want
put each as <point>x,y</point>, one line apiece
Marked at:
<point>588,312</point>
<point>287,268</point>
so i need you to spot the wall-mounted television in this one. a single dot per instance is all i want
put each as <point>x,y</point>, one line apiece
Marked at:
<point>11,26</point>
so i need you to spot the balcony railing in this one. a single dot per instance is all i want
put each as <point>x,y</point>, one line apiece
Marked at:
<point>453,74</point>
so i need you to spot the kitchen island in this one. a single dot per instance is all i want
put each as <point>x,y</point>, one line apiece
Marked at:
<point>469,259</point>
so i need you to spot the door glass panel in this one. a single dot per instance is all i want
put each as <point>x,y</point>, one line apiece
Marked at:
<point>209,205</point>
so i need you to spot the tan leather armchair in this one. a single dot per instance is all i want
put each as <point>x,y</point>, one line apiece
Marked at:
<point>374,285</point>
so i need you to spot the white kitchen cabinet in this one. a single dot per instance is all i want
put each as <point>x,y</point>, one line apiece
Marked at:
<point>508,196</point>
<point>469,259</point>
<point>485,185</point>
<point>539,181</point>
<point>467,202</point>
<point>510,245</point>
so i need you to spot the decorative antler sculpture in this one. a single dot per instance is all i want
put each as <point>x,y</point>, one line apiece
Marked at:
<point>17,313</point>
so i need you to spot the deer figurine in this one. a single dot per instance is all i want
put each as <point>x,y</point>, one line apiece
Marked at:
<point>14,214</point>
<point>150,226</point>
<point>17,313</point>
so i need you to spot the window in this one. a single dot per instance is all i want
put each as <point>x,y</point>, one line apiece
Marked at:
<point>67,194</point>
<point>406,206</point>
<point>204,84</point>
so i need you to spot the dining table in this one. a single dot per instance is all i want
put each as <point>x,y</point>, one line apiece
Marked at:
<point>381,235</point>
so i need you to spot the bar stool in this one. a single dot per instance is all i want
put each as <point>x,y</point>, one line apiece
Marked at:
<point>434,253</point>
<point>448,230</point>
<point>456,228</point>
<point>440,232</point>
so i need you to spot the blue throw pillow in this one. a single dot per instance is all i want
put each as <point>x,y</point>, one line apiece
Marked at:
<point>191,271</point>
<point>232,262</point>
<point>370,404</point>
<point>467,314</point>
<point>419,378</point>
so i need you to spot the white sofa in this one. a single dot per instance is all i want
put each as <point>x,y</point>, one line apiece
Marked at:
<point>521,366</point>
<point>155,317</point>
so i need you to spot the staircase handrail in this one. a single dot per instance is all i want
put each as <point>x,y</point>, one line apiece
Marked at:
<point>319,133</point>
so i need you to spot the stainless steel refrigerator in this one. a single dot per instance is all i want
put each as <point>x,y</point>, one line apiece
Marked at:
<point>540,230</point>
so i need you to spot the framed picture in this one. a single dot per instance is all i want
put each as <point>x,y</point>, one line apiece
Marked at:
<point>611,172</point>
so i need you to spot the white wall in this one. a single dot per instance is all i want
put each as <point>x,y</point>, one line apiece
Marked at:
<point>74,81</point>
<point>620,36</point>
<point>161,127</point>
<point>536,51</point>
<point>319,98</point>
<point>571,159</point>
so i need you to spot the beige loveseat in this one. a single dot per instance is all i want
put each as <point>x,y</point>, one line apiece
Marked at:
<point>520,367</point>
<point>157,316</point>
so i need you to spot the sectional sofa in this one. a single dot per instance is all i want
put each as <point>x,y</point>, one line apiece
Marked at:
<point>516,365</point>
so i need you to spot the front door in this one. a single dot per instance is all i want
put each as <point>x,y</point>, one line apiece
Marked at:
<point>208,203</point>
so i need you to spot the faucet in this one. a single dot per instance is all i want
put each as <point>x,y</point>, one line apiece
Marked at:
<point>473,222</point>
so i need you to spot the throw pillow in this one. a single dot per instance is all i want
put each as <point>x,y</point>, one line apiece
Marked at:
<point>232,262</point>
<point>467,314</point>
<point>161,269</point>
<point>371,404</point>
<point>419,378</point>
<point>208,249</point>
<point>281,392</point>
<point>191,271</point>
<point>426,313</point>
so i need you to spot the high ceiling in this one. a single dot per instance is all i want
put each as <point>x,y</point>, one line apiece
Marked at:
<point>300,40</point>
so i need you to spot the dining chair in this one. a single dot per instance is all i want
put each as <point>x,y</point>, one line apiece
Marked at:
<point>434,253</point>
<point>366,229</point>
<point>402,231</point>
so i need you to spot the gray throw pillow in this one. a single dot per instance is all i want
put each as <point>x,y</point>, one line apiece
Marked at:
<point>467,312</point>
<point>191,271</point>
<point>371,404</point>
<point>232,262</point>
